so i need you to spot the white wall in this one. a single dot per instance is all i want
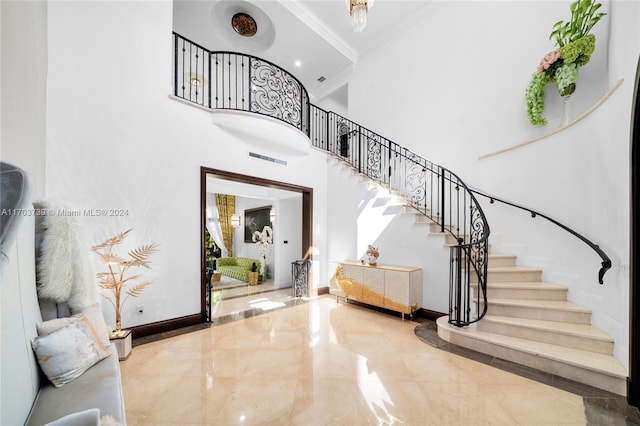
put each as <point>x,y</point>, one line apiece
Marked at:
<point>116,140</point>
<point>358,217</point>
<point>462,92</point>
<point>23,52</point>
<point>288,239</point>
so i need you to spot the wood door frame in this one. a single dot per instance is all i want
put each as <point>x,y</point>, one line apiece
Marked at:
<point>307,217</point>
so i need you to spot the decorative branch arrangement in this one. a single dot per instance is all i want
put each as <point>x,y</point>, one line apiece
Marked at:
<point>575,46</point>
<point>115,280</point>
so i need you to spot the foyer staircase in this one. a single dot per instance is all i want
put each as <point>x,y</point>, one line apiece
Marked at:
<point>529,322</point>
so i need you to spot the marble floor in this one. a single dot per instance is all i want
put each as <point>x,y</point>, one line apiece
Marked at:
<point>319,362</point>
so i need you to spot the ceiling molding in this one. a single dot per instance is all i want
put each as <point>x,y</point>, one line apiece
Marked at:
<point>310,20</point>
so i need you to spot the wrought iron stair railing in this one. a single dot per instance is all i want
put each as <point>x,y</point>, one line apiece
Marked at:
<point>605,265</point>
<point>227,80</point>
<point>430,189</point>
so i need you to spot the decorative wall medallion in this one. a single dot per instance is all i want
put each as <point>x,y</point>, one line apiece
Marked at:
<point>244,24</point>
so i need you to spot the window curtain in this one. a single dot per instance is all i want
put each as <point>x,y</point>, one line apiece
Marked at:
<point>226,207</point>
<point>213,223</point>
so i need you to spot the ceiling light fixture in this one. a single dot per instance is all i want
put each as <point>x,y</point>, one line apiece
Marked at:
<point>358,10</point>
<point>244,24</point>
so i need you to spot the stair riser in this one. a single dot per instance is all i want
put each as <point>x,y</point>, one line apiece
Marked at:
<point>547,336</point>
<point>525,293</point>
<point>511,276</point>
<point>450,239</point>
<point>502,261</point>
<point>540,314</point>
<point>617,385</point>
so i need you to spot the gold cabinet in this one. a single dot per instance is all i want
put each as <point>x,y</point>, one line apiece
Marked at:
<point>397,288</point>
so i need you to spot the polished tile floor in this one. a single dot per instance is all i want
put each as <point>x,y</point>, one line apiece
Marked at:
<point>318,362</point>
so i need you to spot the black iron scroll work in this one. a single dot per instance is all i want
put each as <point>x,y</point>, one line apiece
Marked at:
<point>275,93</point>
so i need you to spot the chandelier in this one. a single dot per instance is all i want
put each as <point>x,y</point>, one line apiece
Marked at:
<point>358,10</point>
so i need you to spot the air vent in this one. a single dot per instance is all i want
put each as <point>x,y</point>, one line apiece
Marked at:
<point>264,157</point>
<point>321,79</point>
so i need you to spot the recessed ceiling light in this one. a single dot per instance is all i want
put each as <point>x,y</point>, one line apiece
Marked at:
<point>298,63</point>
<point>193,79</point>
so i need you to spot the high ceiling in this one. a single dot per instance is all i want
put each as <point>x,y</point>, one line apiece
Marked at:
<point>316,33</point>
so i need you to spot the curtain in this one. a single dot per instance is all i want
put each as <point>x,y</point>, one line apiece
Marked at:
<point>213,223</point>
<point>226,207</point>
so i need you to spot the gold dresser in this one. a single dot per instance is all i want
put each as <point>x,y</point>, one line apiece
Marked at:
<point>397,288</point>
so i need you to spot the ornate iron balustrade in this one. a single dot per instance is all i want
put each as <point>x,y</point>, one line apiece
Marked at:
<point>235,81</point>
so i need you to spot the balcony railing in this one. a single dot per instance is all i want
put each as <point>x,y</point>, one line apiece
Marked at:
<point>234,81</point>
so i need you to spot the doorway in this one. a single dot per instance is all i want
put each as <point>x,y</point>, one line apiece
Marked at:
<point>305,194</point>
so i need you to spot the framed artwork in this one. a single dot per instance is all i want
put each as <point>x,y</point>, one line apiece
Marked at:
<point>255,220</point>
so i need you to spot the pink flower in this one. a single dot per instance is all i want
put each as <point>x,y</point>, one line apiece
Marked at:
<point>548,60</point>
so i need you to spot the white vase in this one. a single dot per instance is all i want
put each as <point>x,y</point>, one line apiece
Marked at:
<point>566,118</point>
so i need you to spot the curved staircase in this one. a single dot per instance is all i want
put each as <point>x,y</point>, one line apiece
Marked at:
<point>532,323</point>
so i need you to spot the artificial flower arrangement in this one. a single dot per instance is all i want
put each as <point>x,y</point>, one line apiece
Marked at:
<point>574,48</point>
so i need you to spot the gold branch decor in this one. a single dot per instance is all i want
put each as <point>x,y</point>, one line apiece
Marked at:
<point>116,279</point>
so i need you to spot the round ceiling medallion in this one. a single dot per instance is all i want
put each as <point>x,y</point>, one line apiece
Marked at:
<point>244,24</point>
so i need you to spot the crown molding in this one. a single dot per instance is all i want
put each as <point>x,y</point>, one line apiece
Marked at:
<point>310,20</point>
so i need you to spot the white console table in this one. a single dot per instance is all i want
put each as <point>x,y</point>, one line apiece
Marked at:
<point>396,288</point>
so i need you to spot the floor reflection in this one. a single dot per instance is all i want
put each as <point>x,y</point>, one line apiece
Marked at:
<point>319,362</point>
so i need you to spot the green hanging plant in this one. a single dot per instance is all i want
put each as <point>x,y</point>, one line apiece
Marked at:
<point>575,47</point>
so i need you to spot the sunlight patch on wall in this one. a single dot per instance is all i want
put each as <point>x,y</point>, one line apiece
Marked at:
<point>372,220</point>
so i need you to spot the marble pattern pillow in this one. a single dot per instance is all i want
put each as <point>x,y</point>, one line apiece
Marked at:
<point>67,352</point>
<point>92,313</point>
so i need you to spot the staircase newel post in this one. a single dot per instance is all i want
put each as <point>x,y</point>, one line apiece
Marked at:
<point>461,309</point>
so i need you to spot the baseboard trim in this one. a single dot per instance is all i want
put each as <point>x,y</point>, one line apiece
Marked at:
<point>429,314</point>
<point>165,325</point>
<point>323,290</point>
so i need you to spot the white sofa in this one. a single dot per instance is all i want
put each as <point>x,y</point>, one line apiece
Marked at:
<point>26,394</point>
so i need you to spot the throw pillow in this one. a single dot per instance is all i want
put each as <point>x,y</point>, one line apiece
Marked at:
<point>92,313</point>
<point>50,326</point>
<point>69,351</point>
